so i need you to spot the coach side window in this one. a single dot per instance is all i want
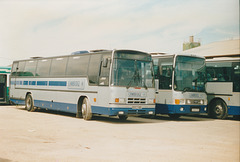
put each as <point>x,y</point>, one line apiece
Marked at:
<point>58,67</point>
<point>30,68</point>
<point>77,65</point>
<point>20,68</point>
<point>236,76</point>
<point>93,69</point>
<point>219,72</point>
<point>14,69</point>
<point>43,68</point>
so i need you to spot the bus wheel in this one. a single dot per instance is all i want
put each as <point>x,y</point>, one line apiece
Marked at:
<point>86,110</point>
<point>218,109</point>
<point>236,117</point>
<point>29,106</point>
<point>122,117</point>
<point>79,109</point>
<point>174,116</point>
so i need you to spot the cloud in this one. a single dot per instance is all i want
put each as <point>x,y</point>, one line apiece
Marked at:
<point>46,28</point>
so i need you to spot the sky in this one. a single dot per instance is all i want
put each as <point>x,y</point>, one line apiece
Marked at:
<point>42,28</point>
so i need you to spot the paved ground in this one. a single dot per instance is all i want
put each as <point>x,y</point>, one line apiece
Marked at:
<point>50,136</point>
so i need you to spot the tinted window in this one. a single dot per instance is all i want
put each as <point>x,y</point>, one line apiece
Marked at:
<point>163,68</point>
<point>14,68</point>
<point>30,68</point>
<point>219,71</point>
<point>236,76</point>
<point>77,65</point>
<point>105,69</point>
<point>20,69</point>
<point>133,55</point>
<point>189,74</point>
<point>93,69</point>
<point>58,66</point>
<point>132,73</point>
<point>224,72</point>
<point>43,68</point>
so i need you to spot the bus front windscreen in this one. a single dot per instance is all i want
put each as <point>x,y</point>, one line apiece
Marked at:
<point>132,70</point>
<point>189,74</point>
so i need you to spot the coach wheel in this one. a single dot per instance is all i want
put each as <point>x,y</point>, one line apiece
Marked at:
<point>86,110</point>
<point>174,116</point>
<point>236,117</point>
<point>29,103</point>
<point>122,117</point>
<point>218,109</point>
<point>79,110</point>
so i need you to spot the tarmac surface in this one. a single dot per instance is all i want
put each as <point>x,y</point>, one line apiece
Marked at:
<point>54,136</point>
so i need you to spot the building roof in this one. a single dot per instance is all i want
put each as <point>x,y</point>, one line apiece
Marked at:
<point>228,48</point>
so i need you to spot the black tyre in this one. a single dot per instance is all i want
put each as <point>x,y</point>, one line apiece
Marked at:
<point>174,116</point>
<point>29,105</point>
<point>236,117</point>
<point>122,117</point>
<point>218,109</point>
<point>86,110</point>
<point>79,111</point>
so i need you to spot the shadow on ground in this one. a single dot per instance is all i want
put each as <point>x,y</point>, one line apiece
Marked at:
<point>134,120</point>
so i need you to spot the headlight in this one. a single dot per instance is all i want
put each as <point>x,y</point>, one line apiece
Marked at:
<point>121,112</point>
<point>150,112</point>
<point>181,109</point>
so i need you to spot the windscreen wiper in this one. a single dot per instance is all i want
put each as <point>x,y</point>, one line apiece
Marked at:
<point>134,76</point>
<point>186,89</point>
<point>130,83</point>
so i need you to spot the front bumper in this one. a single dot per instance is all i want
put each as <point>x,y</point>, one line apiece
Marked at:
<point>180,109</point>
<point>113,111</point>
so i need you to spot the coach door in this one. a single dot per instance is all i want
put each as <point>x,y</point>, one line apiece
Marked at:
<point>3,88</point>
<point>104,71</point>
<point>103,88</point>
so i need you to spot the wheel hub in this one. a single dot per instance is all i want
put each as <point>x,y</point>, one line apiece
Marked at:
<point>28,103</point>
<point>84,109</point>
<point>218,109</point>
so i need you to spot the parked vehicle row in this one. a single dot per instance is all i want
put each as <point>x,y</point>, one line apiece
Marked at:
<point>127,83</point>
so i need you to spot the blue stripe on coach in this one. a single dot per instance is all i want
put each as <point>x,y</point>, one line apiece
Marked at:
<point>57,83</point>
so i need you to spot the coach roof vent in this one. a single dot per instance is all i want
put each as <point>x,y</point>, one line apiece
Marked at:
<point>79,52</point>
<point>36,57</point>
<point>99,50</point>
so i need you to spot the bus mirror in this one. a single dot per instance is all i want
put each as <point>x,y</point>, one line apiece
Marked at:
<point>105,62</point>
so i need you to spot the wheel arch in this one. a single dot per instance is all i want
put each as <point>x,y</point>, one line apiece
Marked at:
<point>28,93</point>
<point>214,99</point>
<point>211,103</point>
<point>80,100</point>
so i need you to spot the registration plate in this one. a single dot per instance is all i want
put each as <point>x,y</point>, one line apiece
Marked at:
<point>195,109</point>
<point>136,107</point>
